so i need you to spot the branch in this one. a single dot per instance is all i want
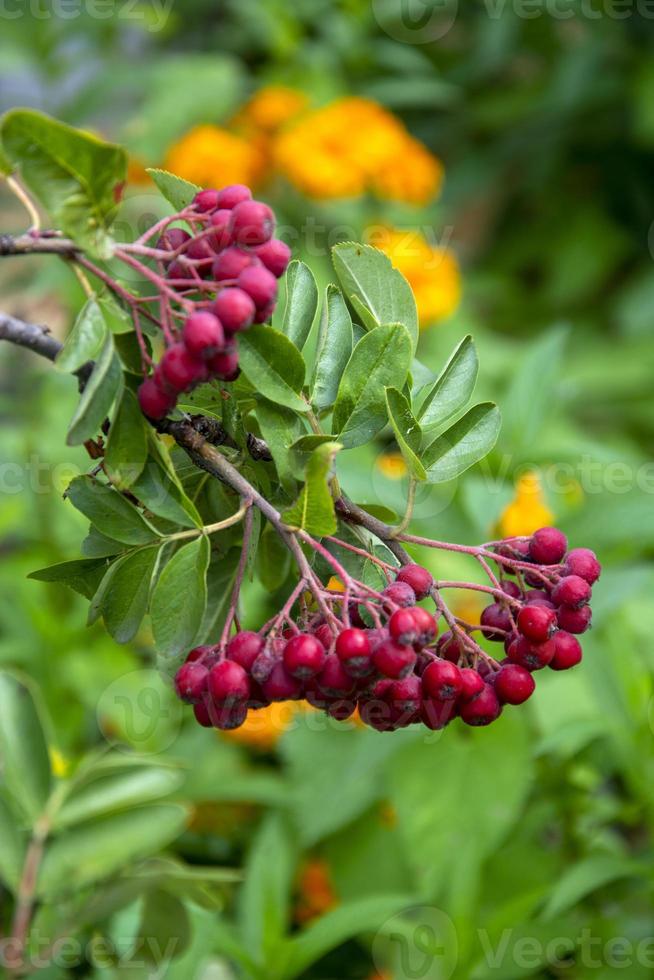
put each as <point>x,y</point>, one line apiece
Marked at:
<point>198,437</point>
<point>35,244</point>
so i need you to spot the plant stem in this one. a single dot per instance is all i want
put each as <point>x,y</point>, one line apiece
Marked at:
<point>408,513</point>
<point>211,528</point>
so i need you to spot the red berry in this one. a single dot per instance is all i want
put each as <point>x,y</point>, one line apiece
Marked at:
<point>220,236</point>
<point>200,248</point>
<point>572,591</point>
<point>206,200</point>
<point>172,239</point>
<point>281,686</point>
<point>481,710</point>
<point>230,263</point>
<point>244,648</point>
<point>399,594</point>
<point>375,710</point>
<point>404,697</point>
<point>472,683</point>
<point>403,627</point>
<point>180,370</point>
<point>418,578</point>
<point>234,308</point>
<point>538,596</point>
<point>393,660</point>
<point>548,546</point>
<point>203,335</point>
<point>232,195</point>
<point>354,652</point>
<point>304,656</point>
<point>442,680</point>
<point>226,717</point>
<point>264,313</point>
<point>531,656</point>
<point>497,620</point>
<point>583,562</point>
<point>180,270</point>
<point>426,626</point>
<point>191,682</point>
<point>275,255</point>
<point>511,589</point>
<point>253,223</point>
<point>437,714</point>
<point>448,647</point>
<point>513,684</point>
<point>567,651</point>
<point>258,283</point>
<point>202,715</point>
<point>574,620</point>
<point>324,635</point>
<point>224,365</point>
<point>536,622</point>
<point>228,683</point>
<point>333,679</point>
<point>199,653</point>
<point>154,402</point>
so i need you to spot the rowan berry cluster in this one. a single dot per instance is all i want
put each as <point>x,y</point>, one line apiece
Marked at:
<point>226,273</point>
<point>381,654</point>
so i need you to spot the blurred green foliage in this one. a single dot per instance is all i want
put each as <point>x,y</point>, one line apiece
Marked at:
<point>526,848</point>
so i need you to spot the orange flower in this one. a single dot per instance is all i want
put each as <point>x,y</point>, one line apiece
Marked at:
<point>392,465</point>
<point>316,893</point>
<point>527,511</point>
<point>213,157</point>
<point>271,107</point>
<point>264,727</point>
<point>353,145</point>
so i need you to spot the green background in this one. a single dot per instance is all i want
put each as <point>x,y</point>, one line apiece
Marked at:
<point>538,830</point>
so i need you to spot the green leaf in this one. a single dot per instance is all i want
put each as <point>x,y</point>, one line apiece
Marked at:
<point>339,925</point>
<point>274,365</point>
<point>273,560</point>
<point>166,926</point>
<point>380,360</point>
<point>127,445</point>
<point>280,427</point>
<point>314,511</point>
<point>264,898</point>
<point>123,595</point>
<point>12,847</point>
<point>6,167</point>
<point>453,389</point>
<point>531,392</point>
<point>97,849</point>
<point>24,758</point>
<point>76,176</point>
<point>379,293</point>
<point>586,877</point>
<point>335,341</point>
<point>85,340</point>
<point>98,396</point>
<point>221,576</point>
<point>83,574</point>
<point>180,598</point>
<point>463,444</point>
<point>116,791</point>
<point>176,190</point>
<point>301,303</point>
<point>110,511</point>
<point>407,431</point>
<point>159,494</point>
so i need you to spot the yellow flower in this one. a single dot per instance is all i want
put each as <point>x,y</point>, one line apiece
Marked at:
<point>271,107</point>
<point>213,157</point>
<point>353,145</point>
<point>60,764</point>
<point>392,466</point>
<point>316,892</point>
<point>263,728</point>
<point>527,511</point>
<point>335,584</point>
<point>432,271</point>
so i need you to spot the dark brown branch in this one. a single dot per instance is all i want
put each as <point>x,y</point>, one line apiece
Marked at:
<point>199,436</point>
<point>37,244</point>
